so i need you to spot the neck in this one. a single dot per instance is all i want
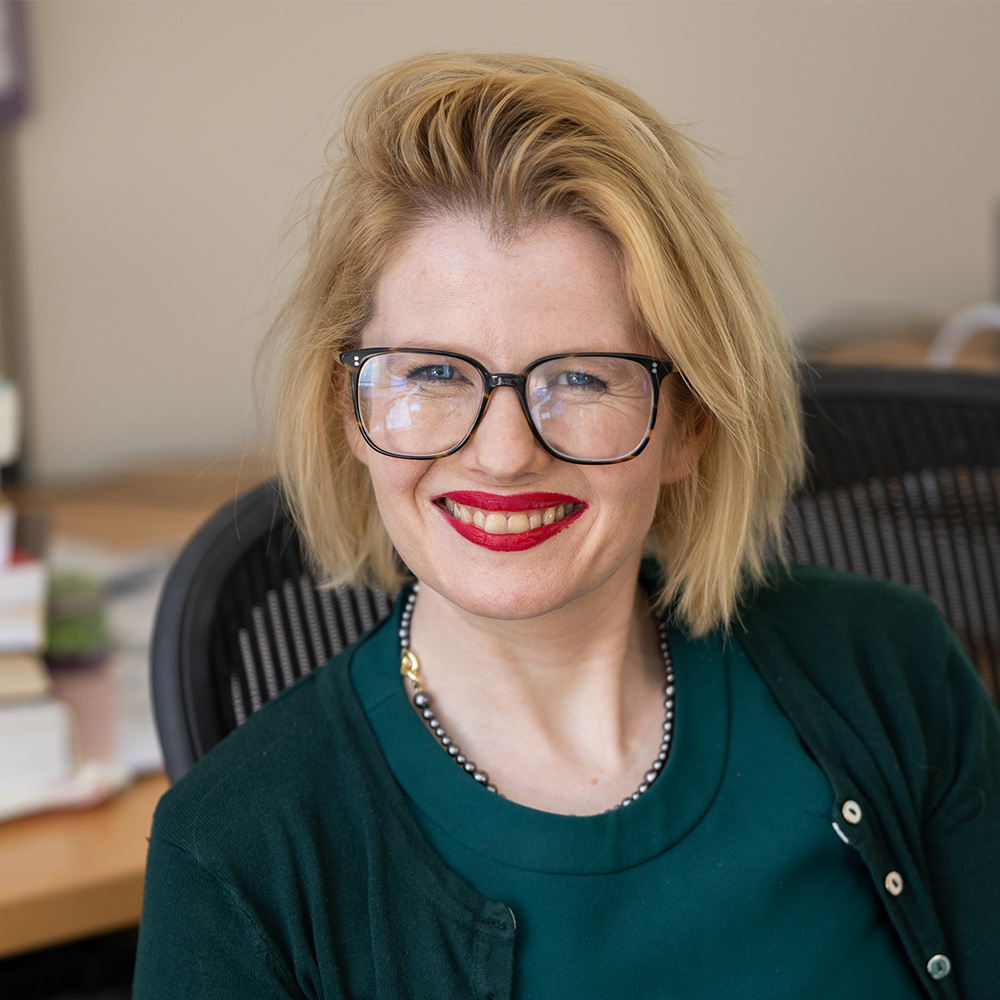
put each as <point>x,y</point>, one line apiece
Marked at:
<point>564,711</point>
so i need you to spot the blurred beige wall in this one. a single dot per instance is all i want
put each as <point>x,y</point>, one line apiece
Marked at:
<point>860,151</point>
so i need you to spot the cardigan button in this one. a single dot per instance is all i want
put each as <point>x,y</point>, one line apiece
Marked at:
<point>894,883</point>
<point>851,811</point>
<point>939,966</point>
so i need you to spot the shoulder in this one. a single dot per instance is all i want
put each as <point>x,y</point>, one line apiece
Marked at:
<point>866,665</point>
<point>793,596</point>
<point>282,738</point>
<point>845,623</point>
<point>300,749</point>
<point>832,643</point>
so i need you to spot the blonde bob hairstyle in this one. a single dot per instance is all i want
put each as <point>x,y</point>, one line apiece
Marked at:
<point>515,141</point>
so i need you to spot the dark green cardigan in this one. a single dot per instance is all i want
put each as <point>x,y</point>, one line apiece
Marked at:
<point>287,863</point>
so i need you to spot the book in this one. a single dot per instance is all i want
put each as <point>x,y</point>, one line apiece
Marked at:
<point>23,675</point>
<point>22,629</point>
<point>23,581</point>
<point>24,586</point>
<point>36,743</point>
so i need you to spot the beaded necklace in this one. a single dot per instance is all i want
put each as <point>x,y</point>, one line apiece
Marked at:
<point>410,667</point>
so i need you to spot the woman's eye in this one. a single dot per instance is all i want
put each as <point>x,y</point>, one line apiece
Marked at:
<point>432,373</point>
<point>581,380</point>
<point>438,378</point>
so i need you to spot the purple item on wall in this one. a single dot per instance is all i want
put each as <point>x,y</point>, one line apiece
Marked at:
<point>13,62</point>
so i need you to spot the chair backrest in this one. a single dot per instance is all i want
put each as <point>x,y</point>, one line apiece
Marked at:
<point>241,618</point>
<point>904,484</point>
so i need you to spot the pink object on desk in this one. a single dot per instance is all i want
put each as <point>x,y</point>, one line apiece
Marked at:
<point>89,691</point>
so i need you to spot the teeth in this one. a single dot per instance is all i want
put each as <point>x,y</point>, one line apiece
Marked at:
<point>498,523</point>
<point>517,523</point>
<point>458,512</point>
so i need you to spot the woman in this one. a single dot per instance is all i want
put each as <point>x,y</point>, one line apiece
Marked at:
<point>600,749</point>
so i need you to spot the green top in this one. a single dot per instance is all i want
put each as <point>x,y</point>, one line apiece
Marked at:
<point>727,854</point>
<point>288,862</point>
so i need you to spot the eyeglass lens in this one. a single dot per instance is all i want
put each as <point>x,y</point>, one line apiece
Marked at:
<point>583,407</point>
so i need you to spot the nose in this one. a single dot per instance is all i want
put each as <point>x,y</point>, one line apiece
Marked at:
<point>503,446</point>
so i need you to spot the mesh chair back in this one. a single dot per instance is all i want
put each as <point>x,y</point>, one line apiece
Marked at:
<point>241,618</point>
<point>905,485</point>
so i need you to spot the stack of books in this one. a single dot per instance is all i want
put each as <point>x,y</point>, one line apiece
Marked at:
<point>38,759</point>
<point>41,734</point>
<point>36,728</point>
<point>23,591</point>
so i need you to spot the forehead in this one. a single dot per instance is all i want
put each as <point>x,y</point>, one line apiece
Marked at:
<point>453,284</point>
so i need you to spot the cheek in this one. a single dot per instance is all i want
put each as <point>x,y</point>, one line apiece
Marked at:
<point>631,490</point>
<point>406,513</point>
<point>387,499</point>
<point>395,482</point>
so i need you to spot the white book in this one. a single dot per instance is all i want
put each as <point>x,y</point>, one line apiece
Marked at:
<point>8,525</point>
<point>22,628</point>
<point>23,582</point>
<point>36,743</point>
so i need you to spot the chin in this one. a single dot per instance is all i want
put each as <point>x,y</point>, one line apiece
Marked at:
<point>507,608</point>
<point>505,593</point>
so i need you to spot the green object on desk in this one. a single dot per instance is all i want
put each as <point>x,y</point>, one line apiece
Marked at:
<point>77,627</point>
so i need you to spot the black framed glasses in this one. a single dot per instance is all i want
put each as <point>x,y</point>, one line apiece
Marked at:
<point>591,409</point>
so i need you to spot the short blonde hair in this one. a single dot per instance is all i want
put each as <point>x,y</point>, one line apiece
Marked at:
<point>517,140</point>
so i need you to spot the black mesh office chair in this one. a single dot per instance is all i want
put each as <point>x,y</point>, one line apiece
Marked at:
<point>240,619</point>
<point>905,484</point>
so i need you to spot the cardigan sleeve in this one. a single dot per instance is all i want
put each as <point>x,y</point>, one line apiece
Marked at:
<point>197,939</point>
<point>961,834</point>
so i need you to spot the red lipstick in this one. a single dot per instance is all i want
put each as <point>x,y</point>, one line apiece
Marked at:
<point>511,503</point>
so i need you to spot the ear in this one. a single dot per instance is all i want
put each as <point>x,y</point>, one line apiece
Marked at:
<point>687,441</point>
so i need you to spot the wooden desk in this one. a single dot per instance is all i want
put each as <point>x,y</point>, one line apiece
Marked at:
<point>68,875</point>
<point>75,874</point>
<point>158,505</point>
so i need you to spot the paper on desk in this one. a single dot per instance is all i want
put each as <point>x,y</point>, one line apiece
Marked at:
<point>130,620</point>
<point>91,783</point>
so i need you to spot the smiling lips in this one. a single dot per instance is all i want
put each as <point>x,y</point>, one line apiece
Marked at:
<point>509,523</point>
